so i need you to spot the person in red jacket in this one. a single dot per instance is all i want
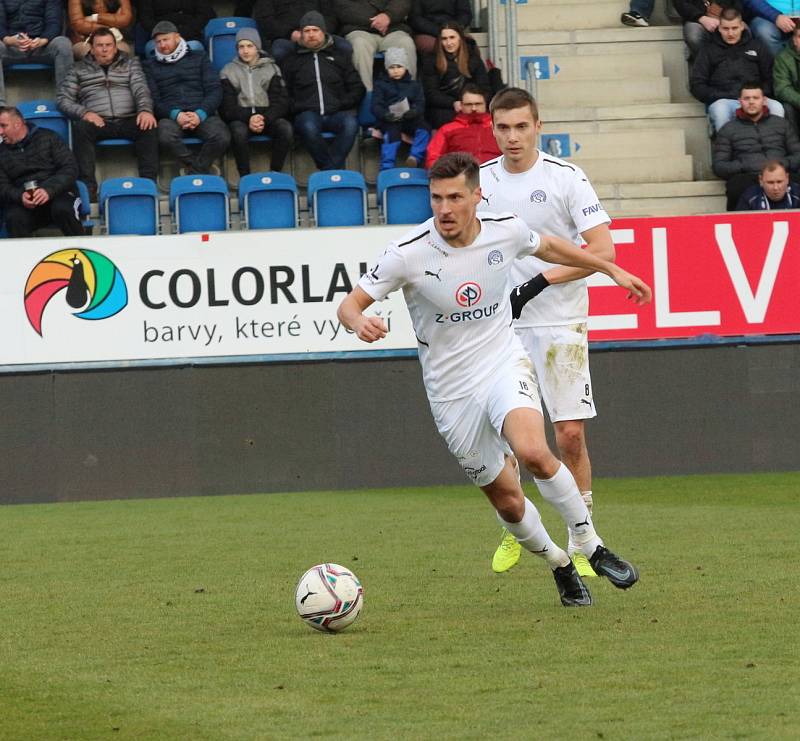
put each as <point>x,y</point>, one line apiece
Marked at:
<point>470,131</point>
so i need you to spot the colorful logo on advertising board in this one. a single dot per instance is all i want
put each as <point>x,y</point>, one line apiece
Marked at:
<point>94,285</point>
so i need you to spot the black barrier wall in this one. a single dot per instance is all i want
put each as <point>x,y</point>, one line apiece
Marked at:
<point>330,425</point>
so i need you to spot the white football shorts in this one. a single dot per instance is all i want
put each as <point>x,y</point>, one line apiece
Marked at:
<point>560,357</point>
<point>472,426</point>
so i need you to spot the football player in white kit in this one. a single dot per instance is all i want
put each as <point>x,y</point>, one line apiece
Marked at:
<point>454,271</point>
<point>552,197</point>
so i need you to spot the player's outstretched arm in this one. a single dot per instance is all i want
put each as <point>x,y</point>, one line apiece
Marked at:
<point>351,315</point>
<point>562,252</point>
<point>598,242</point>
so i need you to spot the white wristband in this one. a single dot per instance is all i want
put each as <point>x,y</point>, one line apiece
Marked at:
<point>94,17</point>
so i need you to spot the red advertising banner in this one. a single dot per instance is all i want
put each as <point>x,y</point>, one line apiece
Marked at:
<point>722,274</point>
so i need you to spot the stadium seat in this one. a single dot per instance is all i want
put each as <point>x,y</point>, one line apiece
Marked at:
<point>45,113</point>
<point>220,38</point>
<point>199,203</point>
<point>337,198</point>
<point>129,206</point>
<point>85,209</point>
<point>268,200</point>
<point>404,196</point>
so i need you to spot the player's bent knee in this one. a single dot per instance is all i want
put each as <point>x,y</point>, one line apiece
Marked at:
<point>570,436</point>
<point>537,459</point>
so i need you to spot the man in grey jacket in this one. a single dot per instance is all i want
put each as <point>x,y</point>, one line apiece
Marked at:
<point>107,97</point>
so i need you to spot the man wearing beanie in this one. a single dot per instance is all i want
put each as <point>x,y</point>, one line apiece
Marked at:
<point>324,90</point>
<point>398,103</point>
<point>186,95</point>
<point>254,101</point>
<point>372,26</point>
<point>279,24</point>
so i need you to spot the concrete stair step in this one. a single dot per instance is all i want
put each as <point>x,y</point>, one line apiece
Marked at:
<point>610,145</point>
<point>566,93</point>
<point>567,16</point>
<point>637,169</point>
<point>563,67</point>
<point>663,199</point>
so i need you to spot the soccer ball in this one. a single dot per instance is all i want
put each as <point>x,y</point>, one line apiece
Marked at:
<point>329,597</point>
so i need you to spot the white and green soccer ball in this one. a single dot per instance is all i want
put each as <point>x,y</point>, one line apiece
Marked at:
<point>329,597</point>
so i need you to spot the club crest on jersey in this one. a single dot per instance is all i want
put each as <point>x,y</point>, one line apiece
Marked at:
<point>538,196</point>
<point>468,294</point>
<point>495,257</point>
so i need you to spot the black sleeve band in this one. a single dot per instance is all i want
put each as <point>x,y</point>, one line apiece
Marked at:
<point>525,292</point>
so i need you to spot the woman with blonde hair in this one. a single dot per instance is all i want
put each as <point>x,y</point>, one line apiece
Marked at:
<point>455,61</point>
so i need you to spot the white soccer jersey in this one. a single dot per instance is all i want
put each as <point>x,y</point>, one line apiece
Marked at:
<point>457,298</point>
<point>553,197</point>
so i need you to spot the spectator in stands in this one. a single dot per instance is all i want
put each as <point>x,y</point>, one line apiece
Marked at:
<point>324,89</point>
<point>399,105</point>
<point>470,131</point>
<point>455,62</point>
<point>30,31</point>
<point>638,13</point>
<point>428,17</point>
<point>86,16</point>
<point>786,78</point>
<point>772,22</point>
<point>255,101</point>
<point>279,24</point>
<point>37,178</point>
<point>732,58</point>
<point>700,20</point>
<point>774,190</point>
<point>107,97</point>
<point>186,95</point>
<point>372,26</point>
<point>743,145</point>
<point>189,16</point>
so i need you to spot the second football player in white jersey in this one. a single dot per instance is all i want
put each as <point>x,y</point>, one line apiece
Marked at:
<point>552,197</point>
<point>454,272</point>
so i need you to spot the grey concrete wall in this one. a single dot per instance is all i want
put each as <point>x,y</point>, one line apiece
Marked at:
<point>295,427</point>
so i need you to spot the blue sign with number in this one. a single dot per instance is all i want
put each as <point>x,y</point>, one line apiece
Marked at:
<point>540,65</point>
<point>558,145</point>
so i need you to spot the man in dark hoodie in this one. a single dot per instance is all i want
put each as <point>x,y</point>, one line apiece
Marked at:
<point>186,95</point>
<point>731,58</point>
<point>324,89</point>
<point>37,178</point>
<point>254,101</point>
<point>746,143</point>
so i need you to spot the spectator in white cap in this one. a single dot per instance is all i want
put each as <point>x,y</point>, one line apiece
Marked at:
<point>255,101</point>
<point>399,105</point>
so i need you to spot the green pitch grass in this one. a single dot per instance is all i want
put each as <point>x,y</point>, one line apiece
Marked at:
<point>174,619</point>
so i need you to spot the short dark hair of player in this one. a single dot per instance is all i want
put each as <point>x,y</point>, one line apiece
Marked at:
<point>103,31</point>
<point>771,165</point>
<point>751,86</point>
<point>730,14</point>
<point>511,98</point>
<point>11,110</point>
<point>454,164</point>
<point>471,88</point>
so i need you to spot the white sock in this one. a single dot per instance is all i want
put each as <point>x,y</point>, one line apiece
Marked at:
<point>562,492</point>
<point>532,536</point>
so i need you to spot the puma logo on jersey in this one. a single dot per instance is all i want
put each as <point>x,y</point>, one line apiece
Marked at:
<point>434,275</point>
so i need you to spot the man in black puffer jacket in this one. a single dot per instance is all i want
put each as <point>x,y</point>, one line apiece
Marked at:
<point>186,95</point>
<point>30,31</point>
<point>279,24</point>
<point>324,89</point>
<point>732,58</point>
<point>37,178</point>
<point>753,137</point>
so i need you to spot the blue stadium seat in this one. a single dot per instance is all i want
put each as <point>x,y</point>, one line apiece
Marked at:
<point>268,200</point>
<point>199,203</point>
<point>129,206</point>
<point>45,113</point>
<point>337,198</point>
<point>404,195</point>
<point>85,209</point>
<point>220,38</point>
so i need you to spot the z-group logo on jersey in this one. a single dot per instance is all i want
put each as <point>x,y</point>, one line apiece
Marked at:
<point>468,294</point>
